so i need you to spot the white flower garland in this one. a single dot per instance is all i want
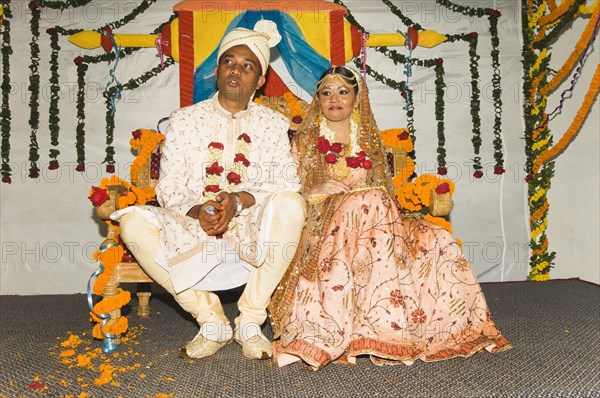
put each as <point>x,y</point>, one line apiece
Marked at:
<point>329,135</point>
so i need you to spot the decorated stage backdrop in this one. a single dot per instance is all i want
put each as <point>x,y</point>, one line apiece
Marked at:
<point>68,114</point>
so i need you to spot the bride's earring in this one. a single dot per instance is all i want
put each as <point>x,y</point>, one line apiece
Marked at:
<point>356,115</point>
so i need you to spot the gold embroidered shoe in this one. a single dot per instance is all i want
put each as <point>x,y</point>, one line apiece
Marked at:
<point>201,347</point>
<point>254,343</point>
<point>256,347</point>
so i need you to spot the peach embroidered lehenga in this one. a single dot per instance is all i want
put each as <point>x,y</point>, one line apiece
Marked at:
<point>367,280</point>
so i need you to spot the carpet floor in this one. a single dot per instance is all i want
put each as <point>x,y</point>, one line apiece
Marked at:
<point>46,350</point>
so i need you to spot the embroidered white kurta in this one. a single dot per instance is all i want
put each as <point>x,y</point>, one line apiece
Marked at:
<point>190,254</point>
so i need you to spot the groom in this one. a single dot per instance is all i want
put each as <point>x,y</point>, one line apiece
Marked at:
<point>228,185</point>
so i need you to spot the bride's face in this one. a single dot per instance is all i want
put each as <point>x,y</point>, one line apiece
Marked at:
<point>337,98</point>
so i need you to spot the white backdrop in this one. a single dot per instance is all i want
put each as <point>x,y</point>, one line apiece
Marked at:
<point>48,228</point>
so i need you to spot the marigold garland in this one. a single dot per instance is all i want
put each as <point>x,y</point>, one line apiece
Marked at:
<point>582,44</point>
<point>576,124</point>
<point>109,259</point>
<point>397,138</point>
<point>144,145</point>
<point>539,30</point>
<point>556,12</point>
<point>551,36</point>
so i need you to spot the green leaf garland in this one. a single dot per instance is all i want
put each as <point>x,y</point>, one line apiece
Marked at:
<point>5,114</point>
<point>53,111</point>
<point>439,113</point>
<point>34,89</point>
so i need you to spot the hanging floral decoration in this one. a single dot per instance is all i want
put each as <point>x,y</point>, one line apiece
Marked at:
<point>5,114</point>
<point>34,89</point>
<point>82,66</point>
<point>539,30</point>
<point>439,113</point>
<point>53,111</point>
<point>497,94</point>
<point>472,39</point>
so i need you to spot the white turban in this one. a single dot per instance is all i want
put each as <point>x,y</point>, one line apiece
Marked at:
<point>259,41</point>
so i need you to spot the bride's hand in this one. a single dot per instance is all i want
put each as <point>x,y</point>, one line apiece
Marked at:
<point>330,187</point>
<point>356,177</point>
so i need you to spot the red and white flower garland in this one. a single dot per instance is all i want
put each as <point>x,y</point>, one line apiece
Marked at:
<point>332,150</point>
<point>213,183</point>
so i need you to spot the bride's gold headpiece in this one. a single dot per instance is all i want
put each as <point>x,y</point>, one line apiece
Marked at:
<point>350,76</point>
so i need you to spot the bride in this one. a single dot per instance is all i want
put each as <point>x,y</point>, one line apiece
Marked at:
<point>367,280</point>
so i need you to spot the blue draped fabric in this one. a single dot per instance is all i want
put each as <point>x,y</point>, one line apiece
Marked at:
<point>304,64</point>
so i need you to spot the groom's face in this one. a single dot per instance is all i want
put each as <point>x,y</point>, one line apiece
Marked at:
<point>239,74</point>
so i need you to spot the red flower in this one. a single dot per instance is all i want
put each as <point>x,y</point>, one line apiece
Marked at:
<point>396,298</point>
<point>528,177</point>
<point>34,385</point>
<point>78,60</point>
<point>496,14</point>
<point>330,158</point>
<point>6,179</point>
<point>245,137</point>
<point>361,155</point>
<point>220,236</point>
<point>473,35</point>
<point>136,134</point>
<point>336,147</point>
<point>216,145</point>
<point>110,168</point>
<point>353,162</point>
<point>438,61</point>
<point>240,157</point>
<point>212,188</point>
<point>233,178</point>
<point>98,196</point>
<point>403,136</point>
<point>478,174</point>
<point>443,188</point>
<point>51,31</point>
<point>32,5</point>
<point>297,119</point>
<point>499,170</point>
<point>406,92</point>
<point>53,166</point>
<point>418,316</point>
<point>367,164</point>
<point>34,174</point>
<point>214,169</point>
<point>80,167</point>
<point>442,171</point>
<point>323,145</point>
